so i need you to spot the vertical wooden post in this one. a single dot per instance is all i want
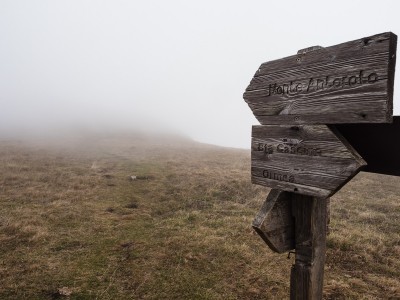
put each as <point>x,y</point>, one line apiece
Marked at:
<point>307,274</point>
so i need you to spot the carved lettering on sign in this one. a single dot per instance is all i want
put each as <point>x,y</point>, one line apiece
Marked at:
<point>309,159</point>
<point>278,176</point>
<point>322,84</point>
<point>289,146</point>
<point>268,149</point>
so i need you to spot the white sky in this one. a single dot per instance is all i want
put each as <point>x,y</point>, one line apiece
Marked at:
<point>176,65</point>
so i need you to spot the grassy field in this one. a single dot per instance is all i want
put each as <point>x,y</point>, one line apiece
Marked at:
<point>73,225</point>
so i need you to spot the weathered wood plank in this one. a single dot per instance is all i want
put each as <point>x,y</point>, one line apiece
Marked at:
<point>306,159</point>
<point>275,223</point>
<point>259,83</point>
<point>291,186</point>
<point>347,83</point>
<point>325,101</point>
<point>342,53</point>
<point>310,216</point>
<point>307,140</point>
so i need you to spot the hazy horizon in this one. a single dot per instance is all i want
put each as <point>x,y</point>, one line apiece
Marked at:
<point>171,66</point>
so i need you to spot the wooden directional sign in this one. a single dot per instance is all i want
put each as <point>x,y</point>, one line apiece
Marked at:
<point>347,83</point>
<point>305,159</point>
<point>275,223</point>
<point>302,158</point>
<point>276,220</point>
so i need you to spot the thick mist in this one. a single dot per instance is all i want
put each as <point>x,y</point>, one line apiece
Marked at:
<point>170,66</point>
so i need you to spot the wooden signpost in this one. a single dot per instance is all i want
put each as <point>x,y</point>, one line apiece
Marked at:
<point>323,114</point>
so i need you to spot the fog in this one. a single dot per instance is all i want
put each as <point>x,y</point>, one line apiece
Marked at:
<point>176,66</point>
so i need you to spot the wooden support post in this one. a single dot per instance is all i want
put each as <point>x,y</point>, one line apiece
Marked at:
<point>307,274</point>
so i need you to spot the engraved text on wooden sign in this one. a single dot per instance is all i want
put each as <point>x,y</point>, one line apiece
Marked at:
<point>347,83</point>
<point>306,159</point>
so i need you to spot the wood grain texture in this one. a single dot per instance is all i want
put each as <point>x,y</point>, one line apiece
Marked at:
<point>306,159</point>
<point>347,83</point>
<point>306,278</point>
<point>275,223</point>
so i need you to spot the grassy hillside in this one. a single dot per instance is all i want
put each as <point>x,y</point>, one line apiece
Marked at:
<point>74,225</point>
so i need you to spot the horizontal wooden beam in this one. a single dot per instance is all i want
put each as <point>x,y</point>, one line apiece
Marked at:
<point>378,144</point>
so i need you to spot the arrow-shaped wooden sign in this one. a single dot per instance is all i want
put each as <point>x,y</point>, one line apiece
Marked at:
<point>296,96</point>
<point>347,83</point>
<point>305,159</point>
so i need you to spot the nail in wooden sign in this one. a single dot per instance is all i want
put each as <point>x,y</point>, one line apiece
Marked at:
<point>346,83</point>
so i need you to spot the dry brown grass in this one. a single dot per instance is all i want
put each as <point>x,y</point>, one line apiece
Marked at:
<point>73,225</point>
